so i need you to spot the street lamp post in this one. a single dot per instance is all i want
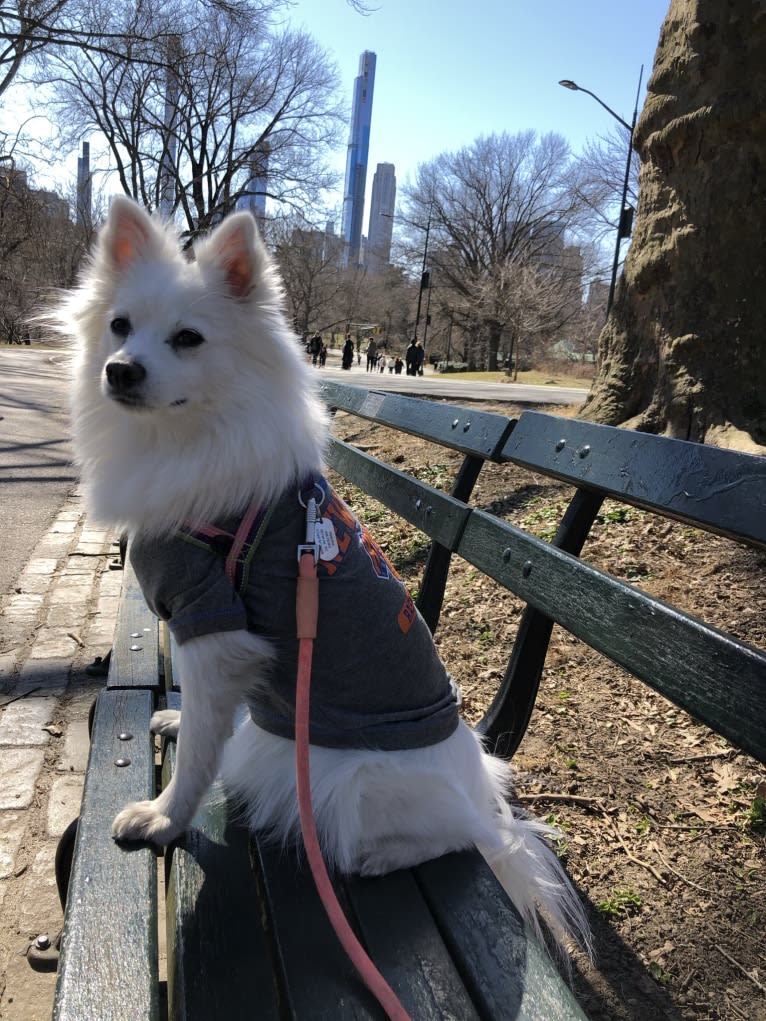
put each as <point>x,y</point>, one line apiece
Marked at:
<point>424,278</point>
<point>624,222</point>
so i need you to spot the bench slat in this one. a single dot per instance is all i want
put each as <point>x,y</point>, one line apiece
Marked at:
<point>507,971</point>
<point>219,961</point>
<point>433,512</point>
<point>465,429</point>
<point>110,926</point>
<point>680,656</point>
<point>317,980</point>
<point>398,932</point>
<point>723,491</point>
<point>137,667</point>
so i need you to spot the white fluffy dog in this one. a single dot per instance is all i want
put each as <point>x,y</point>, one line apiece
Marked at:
<point>192,404</point>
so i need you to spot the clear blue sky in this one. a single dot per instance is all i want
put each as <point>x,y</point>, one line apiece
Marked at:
<point>449,71</point>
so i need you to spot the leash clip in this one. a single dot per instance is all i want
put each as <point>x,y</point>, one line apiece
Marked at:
<point>310,545</point>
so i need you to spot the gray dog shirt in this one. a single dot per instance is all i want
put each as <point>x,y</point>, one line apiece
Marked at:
<point>377,680</point>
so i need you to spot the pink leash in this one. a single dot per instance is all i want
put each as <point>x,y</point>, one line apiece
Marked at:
<point>306,610</point>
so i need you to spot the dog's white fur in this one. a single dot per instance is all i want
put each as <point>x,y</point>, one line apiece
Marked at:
<point>216,425</point>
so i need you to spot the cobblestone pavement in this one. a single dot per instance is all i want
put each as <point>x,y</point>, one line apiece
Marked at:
<point>57,619</point>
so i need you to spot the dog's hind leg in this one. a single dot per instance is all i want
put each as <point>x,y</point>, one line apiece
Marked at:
<point>216,671</point>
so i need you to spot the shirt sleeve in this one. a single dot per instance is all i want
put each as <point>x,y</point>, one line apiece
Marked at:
<point>186,586</point>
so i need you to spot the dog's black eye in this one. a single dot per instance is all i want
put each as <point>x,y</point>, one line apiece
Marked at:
<point>120,326</point>
<point>186,338</point>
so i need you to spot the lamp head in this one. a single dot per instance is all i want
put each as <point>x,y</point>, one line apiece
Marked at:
<point>570,85</point>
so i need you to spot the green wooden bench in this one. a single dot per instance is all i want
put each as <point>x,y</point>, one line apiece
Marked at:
<point>246,935</point>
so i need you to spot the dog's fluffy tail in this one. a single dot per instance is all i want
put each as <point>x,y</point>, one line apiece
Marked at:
<point>531,873</point>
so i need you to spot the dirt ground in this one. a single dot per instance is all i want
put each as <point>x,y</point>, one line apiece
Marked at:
<point>663,823</point>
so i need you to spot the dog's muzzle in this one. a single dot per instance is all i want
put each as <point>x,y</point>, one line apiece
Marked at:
<point>125,377</point>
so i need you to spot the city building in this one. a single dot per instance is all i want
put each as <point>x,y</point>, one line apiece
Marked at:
<point>254,195</point>
<point>84,211</point>
<point>356,159</point>
<point>382,205</point>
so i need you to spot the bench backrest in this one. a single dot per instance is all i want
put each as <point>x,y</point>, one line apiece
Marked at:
<point>717,678</point>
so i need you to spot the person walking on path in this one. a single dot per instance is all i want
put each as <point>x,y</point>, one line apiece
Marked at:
<point>371,355</point>
<point>315,347</point>
<point>411,358</point>
<point>420,357</point>
<point>347,357</point>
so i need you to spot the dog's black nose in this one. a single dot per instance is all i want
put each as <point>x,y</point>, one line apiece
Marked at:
<point>124,376</point>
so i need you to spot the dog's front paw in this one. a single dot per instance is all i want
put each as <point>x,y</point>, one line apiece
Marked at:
<point>142,820</point>
<point>165,722</point>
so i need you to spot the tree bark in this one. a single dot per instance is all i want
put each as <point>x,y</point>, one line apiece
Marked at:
<point>683,351</point>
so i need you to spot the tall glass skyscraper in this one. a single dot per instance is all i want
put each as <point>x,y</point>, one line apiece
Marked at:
<point>382,205</point>
<point>254,198</point>
<point>356,160</point>
<point>83,213</point>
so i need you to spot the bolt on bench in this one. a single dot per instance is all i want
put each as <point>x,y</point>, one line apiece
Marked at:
<point>246,934</point>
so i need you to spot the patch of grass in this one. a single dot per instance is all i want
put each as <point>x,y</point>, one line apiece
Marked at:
<point>755,819</point>
<point>615,516</point>
<point>560,842</point>
<point>658,974</point>
<point>542,519</point>
<point>623,901</point>
<point>436,475</point>
<point>532,377</point>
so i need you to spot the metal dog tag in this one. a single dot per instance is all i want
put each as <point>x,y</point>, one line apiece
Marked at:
<point>325,538</point>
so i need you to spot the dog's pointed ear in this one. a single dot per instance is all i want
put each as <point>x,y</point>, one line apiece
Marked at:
<point>235,249</point>
<point>129,233</point>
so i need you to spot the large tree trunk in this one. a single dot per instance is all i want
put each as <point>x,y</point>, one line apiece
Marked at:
<point>684,349</point>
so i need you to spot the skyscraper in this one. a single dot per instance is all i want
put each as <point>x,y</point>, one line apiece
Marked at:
<point>254,198</point>
<point>382,205</point>
<point>356,160</point>
<point>169,152</point>
<point>83,214</point>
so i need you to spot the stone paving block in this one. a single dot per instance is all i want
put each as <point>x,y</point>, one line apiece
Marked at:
<point>53,546</point>
<point>110,582</point>
<point>64,802</point>
<point>64,527</point>
<point>74,581</point>
<point>8,662</point>
<point>22,722</point>
<point>36,576</point>
<point>23,606</point>
<point>34,583</point>
<point>40,565</point>
<point>72,595</point>
<point>48,646</point>
<point>48,675</point>
<point>19,770</point>
<point>40,910</point>
<point>74,757</point>
<point>105,609</point>
<point>12,826</point>
<point>64,616</point>
<point>80,567</point>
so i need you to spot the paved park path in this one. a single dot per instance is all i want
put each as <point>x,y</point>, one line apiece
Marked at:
<point>55,620</point>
